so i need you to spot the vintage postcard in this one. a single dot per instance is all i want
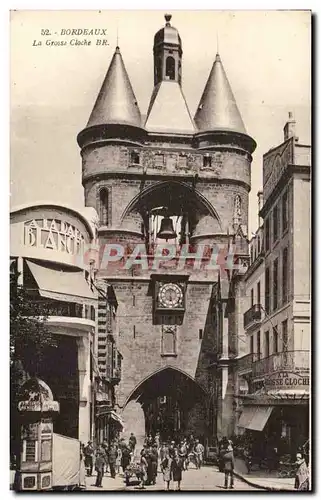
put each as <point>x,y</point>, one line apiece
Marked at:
<point>160,253</point>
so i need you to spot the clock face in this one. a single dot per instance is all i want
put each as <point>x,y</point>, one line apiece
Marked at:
<point>170,295</point>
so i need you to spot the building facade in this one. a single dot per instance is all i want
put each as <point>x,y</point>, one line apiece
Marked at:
<point>183,183</point>
<point>49,243</point>
<point>277,301</point>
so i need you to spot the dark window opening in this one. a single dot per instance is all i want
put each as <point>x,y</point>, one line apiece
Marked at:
<point>170,68</point>
<point>267,234</point>
<point>258,344</point>
<point>285,276</point>
<point>275,340</point>
<point>275,223</point>
<point>103,209</point>
<point>267,291</point>
<point>267,344</point>
<point>207,161</point>
<point>258,291</point>
<point>275,283</point>
<point>200,333</point>
<point>285,335</point>
<point>285,211</point>
<point>134,157</point>
<point>251,344</point>
<point>252,297</point>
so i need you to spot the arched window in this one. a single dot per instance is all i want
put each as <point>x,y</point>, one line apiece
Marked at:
<point>103,207</point>
<point>170,68</point>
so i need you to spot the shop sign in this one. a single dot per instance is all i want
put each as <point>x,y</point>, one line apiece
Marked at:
<point>38,406</point>
<point>286,380</point>
<point>54,234</point>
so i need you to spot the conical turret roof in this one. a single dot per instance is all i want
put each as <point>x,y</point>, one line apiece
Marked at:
<point>116,102</point>
<point>217,109</point>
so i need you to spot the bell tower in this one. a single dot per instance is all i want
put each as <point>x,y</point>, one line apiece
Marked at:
<point>183,182</point>
<point>167,54</point>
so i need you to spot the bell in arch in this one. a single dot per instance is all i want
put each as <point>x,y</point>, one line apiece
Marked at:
<point>166,231</point>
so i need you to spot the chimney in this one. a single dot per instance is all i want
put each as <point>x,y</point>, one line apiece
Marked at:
<point>289,128</point>
<point>260,205</point>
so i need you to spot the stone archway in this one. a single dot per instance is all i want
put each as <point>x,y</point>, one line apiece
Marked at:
<point>170,402</point>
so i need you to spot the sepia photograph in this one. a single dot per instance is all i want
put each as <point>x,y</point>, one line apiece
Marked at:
<point>160,250</point>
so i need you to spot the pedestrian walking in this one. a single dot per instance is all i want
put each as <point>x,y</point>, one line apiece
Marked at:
<point>154,458</point>
<point>301,482</point>
<point>199,452</point>
<point>125,458</point>
<point>112,457</point>
<point>166,467</point>
<point>176,469</point>
<point>118,459</point>
<point>100,463</point>
<point>132,442</point>
<point>89,455</point>
<point>143,469</point>
<point>228,463</point>
<point>183,452</point>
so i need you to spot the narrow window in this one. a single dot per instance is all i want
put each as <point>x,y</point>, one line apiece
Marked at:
<point>267,344</point>
<point>267,234</point>
<point>285,283</point>
<point>252,297</point>
<point>168,340</point>
<point>200,333</point>
<point>267,291</point>
<point>285,335</point>
<point>103,207</point>
<point>258,344</point>
<point>207,161</point>
<point>275,223</point>
<point>251,344</point>
<point>258,292</point>
<point>285,211</point>
<point>275,340</point>
<point>134,158</point>
<point>275,284</point>
<point>170,68</point>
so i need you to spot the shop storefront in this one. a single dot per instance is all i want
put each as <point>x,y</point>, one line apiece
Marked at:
<point>49,248</point>
<point>276,416</point>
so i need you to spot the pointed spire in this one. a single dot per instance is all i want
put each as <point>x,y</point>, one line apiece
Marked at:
<point>116,102</point>
<point>217,109</point>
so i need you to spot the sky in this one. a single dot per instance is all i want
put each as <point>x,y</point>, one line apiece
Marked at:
<point>266,55</point>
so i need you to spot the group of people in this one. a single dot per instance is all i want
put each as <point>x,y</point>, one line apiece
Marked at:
<point>108,457</point>
<point>173,458</point>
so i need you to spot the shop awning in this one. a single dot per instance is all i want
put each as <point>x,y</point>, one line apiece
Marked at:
<point>289,394</point>
<point>104,411</point>
<point>260,418</point>
<point>246,416</point>
<point>58,284</point>
<point>116,418</point>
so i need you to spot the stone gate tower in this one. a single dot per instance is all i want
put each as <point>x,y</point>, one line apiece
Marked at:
<point>181,181</point>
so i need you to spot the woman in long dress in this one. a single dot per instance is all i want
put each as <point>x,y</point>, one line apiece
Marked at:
<point>302,474</point>
<point>166,466</point>
<point>177,467</point>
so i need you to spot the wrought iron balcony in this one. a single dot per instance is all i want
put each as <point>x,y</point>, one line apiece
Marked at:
<point>245,364</point>
<point>253,316</point>
<point>286,360</point>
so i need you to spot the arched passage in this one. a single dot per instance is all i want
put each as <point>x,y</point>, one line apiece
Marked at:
<point>174,404</point>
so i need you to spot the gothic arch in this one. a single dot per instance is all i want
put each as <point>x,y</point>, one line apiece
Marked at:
<point>139,198</point>
<point>136,392</point>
